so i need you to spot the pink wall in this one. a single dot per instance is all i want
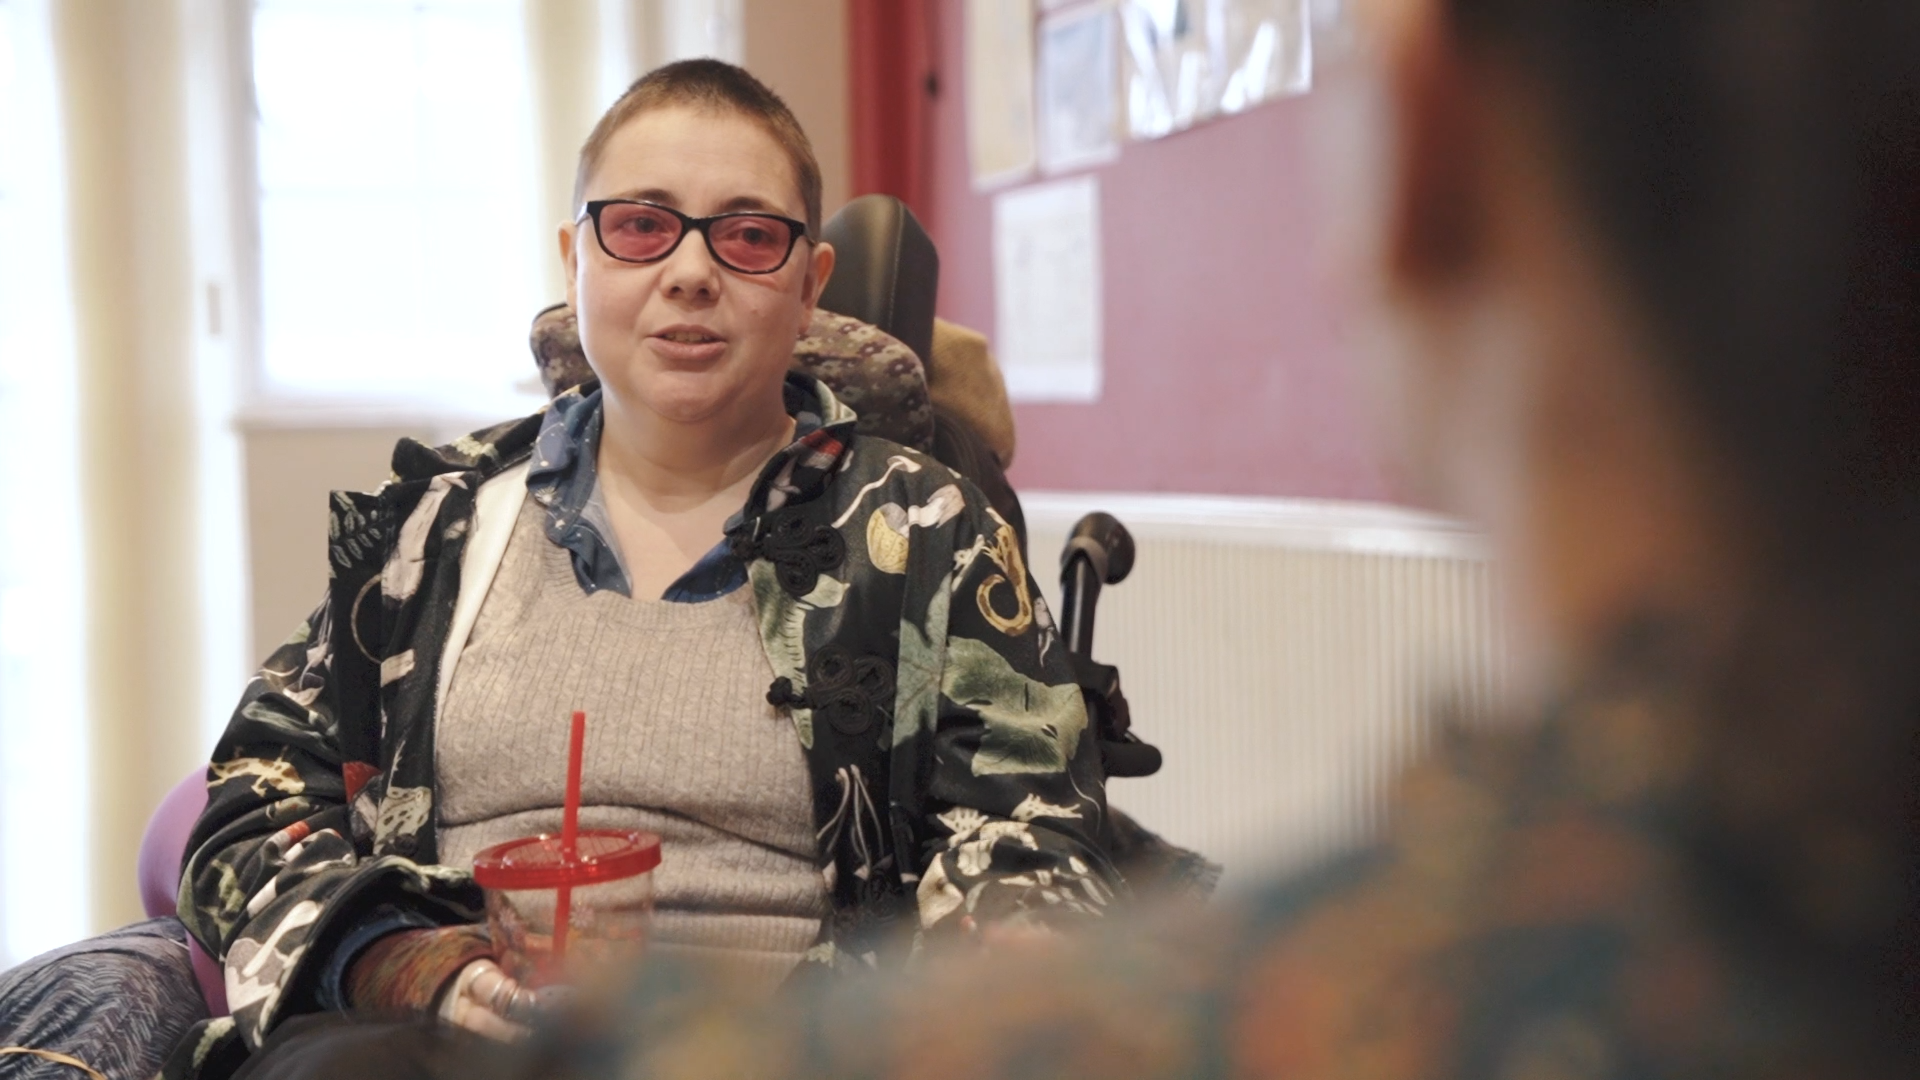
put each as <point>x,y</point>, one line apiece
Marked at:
<point>1223,368</point>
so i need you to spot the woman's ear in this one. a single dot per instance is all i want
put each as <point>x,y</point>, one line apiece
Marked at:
<point>1436,200</point>
<point>819,269</point>
<point>569,257</point>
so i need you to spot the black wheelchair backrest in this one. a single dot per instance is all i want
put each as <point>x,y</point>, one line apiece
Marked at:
<point>886,270</point>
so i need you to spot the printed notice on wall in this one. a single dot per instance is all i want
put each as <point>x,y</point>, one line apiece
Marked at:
<point>1079,88</point>
<point>1046,289</point>
<point>1192,60</point>
<point>999,51</point>
<point>1264,49</point>
<point>1167,66</point>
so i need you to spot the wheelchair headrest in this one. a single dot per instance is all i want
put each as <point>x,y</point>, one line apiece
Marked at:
<point>875,375</point>
<point>886,271</point>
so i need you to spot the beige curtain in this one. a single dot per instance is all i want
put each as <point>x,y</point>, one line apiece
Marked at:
<point>137,302</point>
<point>566,56</point>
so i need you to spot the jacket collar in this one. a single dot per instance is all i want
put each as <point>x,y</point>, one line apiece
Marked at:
<point>488,452</point>
<point>797,473</point>
<point>801,471</point>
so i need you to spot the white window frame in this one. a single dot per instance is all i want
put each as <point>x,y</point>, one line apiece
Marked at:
<point>263,402</point>
<point>633,36</point>
<point>45,711</point>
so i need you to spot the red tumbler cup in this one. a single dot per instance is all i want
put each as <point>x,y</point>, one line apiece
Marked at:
<point>605,886</point>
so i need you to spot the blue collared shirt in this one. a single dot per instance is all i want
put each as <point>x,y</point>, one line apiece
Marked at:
<point>565,479</point>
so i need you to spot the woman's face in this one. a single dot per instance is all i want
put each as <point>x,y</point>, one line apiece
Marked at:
<point>686,339</point>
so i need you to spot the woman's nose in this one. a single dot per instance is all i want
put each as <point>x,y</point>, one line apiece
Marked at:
<point>691,270</point>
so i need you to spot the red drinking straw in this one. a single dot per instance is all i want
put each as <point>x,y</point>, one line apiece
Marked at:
<point>569,834</point>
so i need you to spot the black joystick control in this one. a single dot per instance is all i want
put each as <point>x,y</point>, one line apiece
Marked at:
<point>1099,552</point>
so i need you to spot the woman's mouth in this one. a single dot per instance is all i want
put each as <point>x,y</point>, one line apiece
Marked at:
<point>688,345</point>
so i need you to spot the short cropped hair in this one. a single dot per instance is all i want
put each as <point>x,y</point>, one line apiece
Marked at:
<point>720,87</point>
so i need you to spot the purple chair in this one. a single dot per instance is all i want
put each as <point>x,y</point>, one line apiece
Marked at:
<point>162,850</point>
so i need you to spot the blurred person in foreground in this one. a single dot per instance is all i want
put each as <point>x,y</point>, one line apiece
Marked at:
<point>1651,272</point>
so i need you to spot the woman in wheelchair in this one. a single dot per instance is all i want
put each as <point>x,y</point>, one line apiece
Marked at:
<point>693,550</point>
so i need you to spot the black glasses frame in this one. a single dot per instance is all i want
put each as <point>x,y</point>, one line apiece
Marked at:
<point>797,230</point>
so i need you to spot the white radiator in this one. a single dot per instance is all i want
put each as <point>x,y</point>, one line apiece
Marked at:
<point>1287,655</point>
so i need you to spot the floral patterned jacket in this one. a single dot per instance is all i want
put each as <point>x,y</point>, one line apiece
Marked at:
<point>941,723</point>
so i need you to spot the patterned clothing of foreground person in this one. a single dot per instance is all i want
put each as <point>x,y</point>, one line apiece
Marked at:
<point>1556,903</point>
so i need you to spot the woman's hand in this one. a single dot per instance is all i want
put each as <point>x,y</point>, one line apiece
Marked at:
<point>486,1000</point>
<point>420,972</point>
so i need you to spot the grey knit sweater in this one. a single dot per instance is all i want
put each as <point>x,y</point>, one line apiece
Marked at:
<point>658,681</point>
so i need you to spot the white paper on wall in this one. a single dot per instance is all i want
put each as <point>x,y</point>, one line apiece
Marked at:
<point>1191,60</point>
<point>1333,29</point>
<point>1167,70</point>
<point>999,57</point>
<point>1263,49</point>
<point>1079,89</point>
<point>1046,286</point>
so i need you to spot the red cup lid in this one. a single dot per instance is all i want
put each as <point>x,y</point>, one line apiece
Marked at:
<point>536,862</point>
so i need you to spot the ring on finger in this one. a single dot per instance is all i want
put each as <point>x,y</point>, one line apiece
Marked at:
<point>501,999</point>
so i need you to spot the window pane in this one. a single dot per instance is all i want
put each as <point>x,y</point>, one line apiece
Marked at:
<point>396,208</point>
<point>43,698</point>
